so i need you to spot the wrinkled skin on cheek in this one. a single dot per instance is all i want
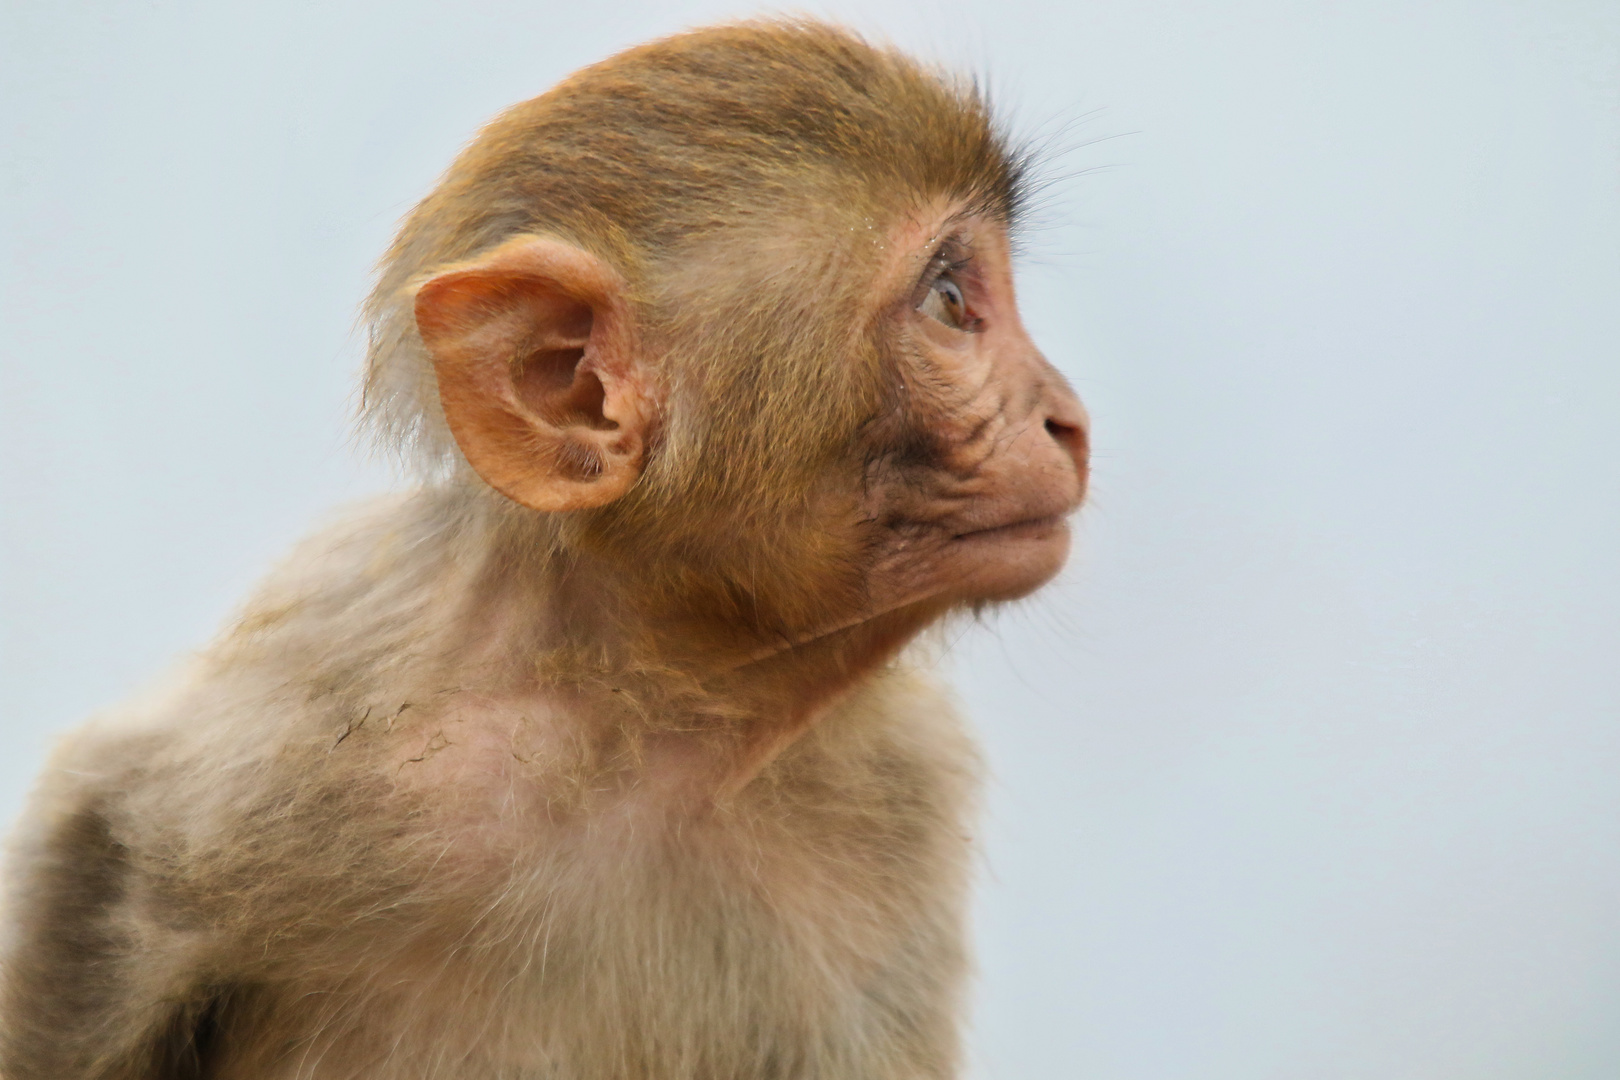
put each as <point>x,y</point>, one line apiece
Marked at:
<point>972,475</point>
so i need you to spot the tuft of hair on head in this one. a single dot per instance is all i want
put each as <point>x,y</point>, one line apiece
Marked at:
<point>704,167</point>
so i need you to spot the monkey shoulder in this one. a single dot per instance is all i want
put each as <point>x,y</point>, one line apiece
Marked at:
<point>223,776</point>
<point>99,934</point>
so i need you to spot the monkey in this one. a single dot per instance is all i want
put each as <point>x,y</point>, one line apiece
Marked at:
<point>604,750</point>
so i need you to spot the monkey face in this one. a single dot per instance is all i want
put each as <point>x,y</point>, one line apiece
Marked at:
<point>973,472</point>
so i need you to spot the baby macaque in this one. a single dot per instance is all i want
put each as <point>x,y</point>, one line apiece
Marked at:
<point>596,755</point>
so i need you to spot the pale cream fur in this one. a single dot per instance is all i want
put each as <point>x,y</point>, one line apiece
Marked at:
<point>399,878</point>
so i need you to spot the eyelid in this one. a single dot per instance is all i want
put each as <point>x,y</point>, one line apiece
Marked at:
<point>952,254</point>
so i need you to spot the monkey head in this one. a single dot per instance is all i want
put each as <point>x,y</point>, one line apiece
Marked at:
<point>771,368</point>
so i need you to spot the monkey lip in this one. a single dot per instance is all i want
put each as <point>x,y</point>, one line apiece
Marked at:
<point>1024,528</point>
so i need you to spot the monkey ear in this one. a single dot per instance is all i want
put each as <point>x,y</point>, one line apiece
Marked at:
<point>535,353</point>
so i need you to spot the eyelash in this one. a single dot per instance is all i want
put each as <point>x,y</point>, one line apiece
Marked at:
<point>949,259</point>
<point>952,257</point>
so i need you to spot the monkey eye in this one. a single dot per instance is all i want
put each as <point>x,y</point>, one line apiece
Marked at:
<point>944,303</point>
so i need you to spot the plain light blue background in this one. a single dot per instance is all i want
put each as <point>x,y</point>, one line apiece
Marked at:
<point>1308,769</point>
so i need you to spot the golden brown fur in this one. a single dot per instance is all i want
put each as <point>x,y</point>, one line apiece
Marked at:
<point>638,792</point>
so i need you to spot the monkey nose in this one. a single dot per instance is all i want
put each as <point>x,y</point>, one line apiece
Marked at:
<point>1067,424</point>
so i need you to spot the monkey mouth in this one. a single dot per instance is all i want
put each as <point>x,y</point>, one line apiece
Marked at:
<point>1024,528</point>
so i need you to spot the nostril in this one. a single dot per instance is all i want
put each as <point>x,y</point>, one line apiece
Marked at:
<point>1072,437</point>
<point>1067,434</point>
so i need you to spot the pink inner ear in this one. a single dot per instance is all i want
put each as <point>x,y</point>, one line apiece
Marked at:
<point>548,377</point>
<point>552,383</point>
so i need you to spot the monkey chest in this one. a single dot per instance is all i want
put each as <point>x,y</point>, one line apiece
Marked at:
<point>811,930</point>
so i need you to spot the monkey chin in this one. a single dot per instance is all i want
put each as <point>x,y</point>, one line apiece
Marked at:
<point>1007,562</point>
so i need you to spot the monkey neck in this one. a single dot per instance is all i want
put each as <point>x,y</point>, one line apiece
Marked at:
<point>534,616</point>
